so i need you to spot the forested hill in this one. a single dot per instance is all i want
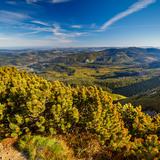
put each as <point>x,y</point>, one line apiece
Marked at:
<point>148,99</point>
<point>31,105</point>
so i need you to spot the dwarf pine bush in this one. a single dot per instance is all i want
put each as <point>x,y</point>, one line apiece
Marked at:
<point>31,105</point>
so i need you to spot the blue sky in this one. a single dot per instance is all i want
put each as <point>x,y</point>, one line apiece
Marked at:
<point>79,23</point>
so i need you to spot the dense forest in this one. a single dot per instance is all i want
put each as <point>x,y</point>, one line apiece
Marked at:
<point>51,120</point>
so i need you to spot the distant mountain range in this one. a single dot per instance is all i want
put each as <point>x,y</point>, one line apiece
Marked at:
<point>149,57</point>
<point>114,56</point>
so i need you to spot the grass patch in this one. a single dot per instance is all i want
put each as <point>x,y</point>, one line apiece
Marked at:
<point>44,148</point>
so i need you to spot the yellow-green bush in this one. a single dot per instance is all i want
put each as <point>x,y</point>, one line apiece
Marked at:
<point>32,105</point>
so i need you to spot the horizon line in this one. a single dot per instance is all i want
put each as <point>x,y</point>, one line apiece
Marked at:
<point>76,47</point>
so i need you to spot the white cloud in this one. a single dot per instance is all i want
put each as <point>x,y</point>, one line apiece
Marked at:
<point>64,34</point>
<point>60,34</point>
<point>141,4</point>
<point>58,31</point>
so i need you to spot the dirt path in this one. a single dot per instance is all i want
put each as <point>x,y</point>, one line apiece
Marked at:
<point>8,152</point>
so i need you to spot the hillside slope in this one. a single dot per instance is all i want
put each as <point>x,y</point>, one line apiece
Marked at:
<point>149,100</point>
<point>139,87</point>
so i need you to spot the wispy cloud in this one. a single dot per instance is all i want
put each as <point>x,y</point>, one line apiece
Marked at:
<point>59,31</point>
<point>76,26</point>
<point>35,28</point>
<point>8,16</point>
<point>65,35</point>
<point>48,1</point>
<point>31,1</point>
<point>24,28</point>
<point>40,22</point>
<point>56,32</point>
<point>11,2</point>
<point>141,4</point>
<point>60,1</point>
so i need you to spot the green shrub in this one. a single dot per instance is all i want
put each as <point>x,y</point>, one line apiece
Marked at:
<point>34,106</point>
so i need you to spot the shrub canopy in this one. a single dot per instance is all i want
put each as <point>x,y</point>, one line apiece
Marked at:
<point>32,105</point>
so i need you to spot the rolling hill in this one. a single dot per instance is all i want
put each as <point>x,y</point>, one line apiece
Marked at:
<point>103,56</point>
<point>138,88</point>
<point>113,56</point>
<point>149,100</point>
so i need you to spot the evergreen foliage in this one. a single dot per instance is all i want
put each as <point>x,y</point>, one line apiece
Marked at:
<point>30,105</point>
